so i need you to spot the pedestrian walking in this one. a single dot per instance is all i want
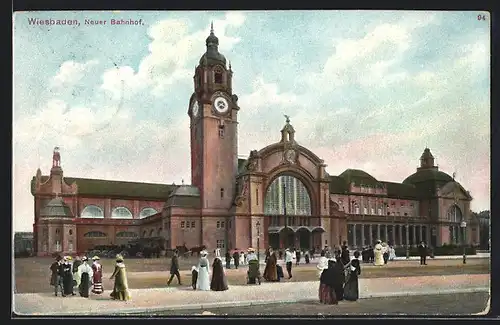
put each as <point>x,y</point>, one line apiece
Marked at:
<point>228,260</point>
<point>85,274</point>
<point>55,277</point>
<point>97,276</point>
<point>339,276</point>
<point>271,271</point>
<point>327,283</point>
<point>67,276</point>
<point>236,258</point>
<point>351,288</point>
<point>203,280</point>
<point>345,256</point>
<point>422,250</point>
<point>288,261</point>
<point>120,288</point>
<point>174,269</point>
<point>297,256</point>
<point>194,276</point>
<point>219,280</point>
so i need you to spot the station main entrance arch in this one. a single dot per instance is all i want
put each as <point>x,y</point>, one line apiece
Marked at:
<point>287,203</point>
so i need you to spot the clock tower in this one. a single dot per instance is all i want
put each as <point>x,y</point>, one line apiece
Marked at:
<point>213,113</point>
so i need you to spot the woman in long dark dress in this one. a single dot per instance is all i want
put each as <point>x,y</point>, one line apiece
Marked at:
<point>326,285</point>
<point>351,288</point>
<point>67,277</point>
<point>219,280</point>
<point>271,272</point>
<point>339,277</point>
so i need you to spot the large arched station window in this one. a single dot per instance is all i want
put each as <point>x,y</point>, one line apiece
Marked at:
<point>92,211</point>
<point>293,192</point>
<point>121,213</point>
<point>146,212</point>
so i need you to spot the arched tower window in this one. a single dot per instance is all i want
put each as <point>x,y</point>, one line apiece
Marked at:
<point>146,212</point>
<point>454,214</point>
<point>218,73</point>
<point>92,211</point>
<point>121,213</point>
<point>292,191</point>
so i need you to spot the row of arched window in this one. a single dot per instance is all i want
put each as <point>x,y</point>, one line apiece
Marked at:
<point>93,211</point>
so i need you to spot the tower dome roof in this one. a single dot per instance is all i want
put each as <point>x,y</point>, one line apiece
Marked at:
<point>424,175</point>
<point>212,55</point>
<point>56,208</point>
<point>186,190</point>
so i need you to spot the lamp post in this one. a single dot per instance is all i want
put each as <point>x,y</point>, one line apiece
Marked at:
<point>258,241</point>
<point>463,225</point>
<point>284,213</point>
<point>406,240</point>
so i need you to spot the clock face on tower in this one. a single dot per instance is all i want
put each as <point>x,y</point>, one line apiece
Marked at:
<point>195,108</point>
<point>221,105</point>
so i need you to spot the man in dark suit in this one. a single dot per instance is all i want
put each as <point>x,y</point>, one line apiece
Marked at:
<point>345,257</point>
<point>174,269</point>
<point>236,258</point>
<point>422,251</point>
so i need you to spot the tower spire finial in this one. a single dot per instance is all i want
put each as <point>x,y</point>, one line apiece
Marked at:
<point>212,27</point>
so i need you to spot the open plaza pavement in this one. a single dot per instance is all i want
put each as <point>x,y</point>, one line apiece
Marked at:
<point>147,279</point>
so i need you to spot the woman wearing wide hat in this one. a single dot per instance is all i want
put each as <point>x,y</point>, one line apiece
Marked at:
<point>97,276</point>
<point>120,289</point>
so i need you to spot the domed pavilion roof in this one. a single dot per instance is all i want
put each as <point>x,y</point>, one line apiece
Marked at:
<point>56,208</point>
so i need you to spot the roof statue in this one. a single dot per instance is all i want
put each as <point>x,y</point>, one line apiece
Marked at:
<point>287,118</point>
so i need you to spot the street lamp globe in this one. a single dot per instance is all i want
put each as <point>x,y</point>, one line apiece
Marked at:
<point>463,224</point>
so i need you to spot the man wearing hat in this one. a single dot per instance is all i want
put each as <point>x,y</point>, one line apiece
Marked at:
<point>97,276</point>
<point>174,269</point>
<point>55,278</point>
<point>85,274</point>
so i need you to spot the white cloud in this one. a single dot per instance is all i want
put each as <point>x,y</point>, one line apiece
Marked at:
<point>265,96</point>
<point>172,47</point>
<point>70,73</point>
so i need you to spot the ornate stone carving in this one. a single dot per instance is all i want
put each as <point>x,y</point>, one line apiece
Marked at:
<point>242,185</point>
<point>252,161</point>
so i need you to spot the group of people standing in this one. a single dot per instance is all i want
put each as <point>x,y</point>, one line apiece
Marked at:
<point>200,274</point>
<point>338,276</point>
<point>65,276</point>
<point>380,254</point>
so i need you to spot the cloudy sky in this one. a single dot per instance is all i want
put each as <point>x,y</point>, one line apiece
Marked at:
<point>364,89</point>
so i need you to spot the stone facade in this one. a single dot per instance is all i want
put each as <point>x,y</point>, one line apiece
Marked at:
<point>280,196</point>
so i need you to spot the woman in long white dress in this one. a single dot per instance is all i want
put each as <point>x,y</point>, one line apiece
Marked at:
<point>242,259</point>
<point>392,253</point>
<point>203,281</point>
<point>322,264</point>
<point>378,253</point>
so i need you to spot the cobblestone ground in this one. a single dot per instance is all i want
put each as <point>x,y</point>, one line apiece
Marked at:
<point>455,304</point>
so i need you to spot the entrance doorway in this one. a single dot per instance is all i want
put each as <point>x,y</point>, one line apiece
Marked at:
<point>287,237</point>
<point>304,237</point>
<point>274,240</point>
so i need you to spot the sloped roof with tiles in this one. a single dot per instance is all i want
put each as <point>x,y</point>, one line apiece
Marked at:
<point>109,188</point>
